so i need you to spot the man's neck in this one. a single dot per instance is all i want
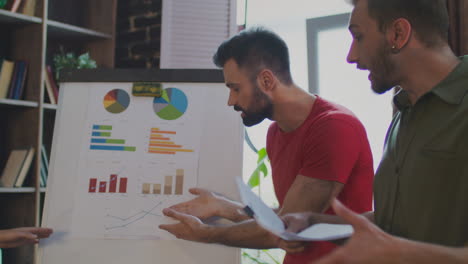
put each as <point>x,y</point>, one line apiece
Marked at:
<point>292,106</point>
<point>428,71</point>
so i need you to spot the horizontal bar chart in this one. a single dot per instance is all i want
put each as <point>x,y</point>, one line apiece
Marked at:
<point>160,143</point>
<point>100,140</point>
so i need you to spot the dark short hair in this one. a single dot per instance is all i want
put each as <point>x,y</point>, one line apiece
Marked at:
<point>428,18</point>
<point>254,50</point>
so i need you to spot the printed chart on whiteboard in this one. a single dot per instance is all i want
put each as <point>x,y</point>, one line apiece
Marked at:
<point>139,155</point>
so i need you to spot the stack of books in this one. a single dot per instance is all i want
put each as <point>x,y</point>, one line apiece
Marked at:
<point>18,166</point>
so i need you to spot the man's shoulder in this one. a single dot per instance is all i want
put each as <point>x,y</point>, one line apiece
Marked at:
<point>328,113</point>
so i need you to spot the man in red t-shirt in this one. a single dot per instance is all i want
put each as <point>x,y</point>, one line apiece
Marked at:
<point>318,150</point>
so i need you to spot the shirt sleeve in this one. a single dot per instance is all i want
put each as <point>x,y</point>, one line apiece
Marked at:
<point>332,149</point>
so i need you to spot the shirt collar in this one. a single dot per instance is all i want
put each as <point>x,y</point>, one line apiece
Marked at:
<point>452,89</point>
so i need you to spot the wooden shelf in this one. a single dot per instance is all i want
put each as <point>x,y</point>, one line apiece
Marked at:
<point>50,106</point>
<point>14,102</point>
<point>7,17</point>
<point>59,29</point>
<point>20,190</point>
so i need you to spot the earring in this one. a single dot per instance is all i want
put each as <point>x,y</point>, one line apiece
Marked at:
<point>394,49</point>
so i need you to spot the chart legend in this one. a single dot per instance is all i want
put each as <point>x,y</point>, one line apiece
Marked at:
<point>160,143</point>
<point>101,140</point>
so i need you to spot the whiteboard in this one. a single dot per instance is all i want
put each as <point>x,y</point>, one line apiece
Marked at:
<point>113,169</point>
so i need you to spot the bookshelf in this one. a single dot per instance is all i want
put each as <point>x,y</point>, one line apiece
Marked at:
<point>76,25</point>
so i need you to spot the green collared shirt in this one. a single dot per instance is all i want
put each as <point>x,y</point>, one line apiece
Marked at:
<point>421,185</point>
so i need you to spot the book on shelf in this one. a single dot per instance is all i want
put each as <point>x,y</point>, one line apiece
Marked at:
<point>13,5</point>
<point>13,80</point>
<point>25,168</point>
<point>18,80</point>
<point>44,167</point>
<point>53,83</point>
<point>6,73</point>
<point>13,167</point>
<point>28,7</point>
<point>49,87</point>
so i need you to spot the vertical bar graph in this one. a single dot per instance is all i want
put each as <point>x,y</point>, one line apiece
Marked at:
<point>112,183</point>
<point>168,187</point>
<point>100,140</point>
<point>123,185</point>
<point>160,143</point>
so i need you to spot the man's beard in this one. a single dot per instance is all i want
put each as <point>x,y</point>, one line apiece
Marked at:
<point>385,68</point>
<point>260,108</point>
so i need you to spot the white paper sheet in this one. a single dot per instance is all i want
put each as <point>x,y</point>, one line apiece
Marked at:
<point>268,219</point>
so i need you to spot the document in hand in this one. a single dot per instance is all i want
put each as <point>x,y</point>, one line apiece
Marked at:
<point>268,219</point>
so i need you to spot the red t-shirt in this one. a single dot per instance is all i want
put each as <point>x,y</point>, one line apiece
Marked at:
<point>330,145</point>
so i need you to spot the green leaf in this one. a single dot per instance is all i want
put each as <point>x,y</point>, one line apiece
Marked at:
<point>254,179</point>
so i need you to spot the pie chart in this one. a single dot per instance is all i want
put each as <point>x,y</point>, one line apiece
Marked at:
<point>116,101</point>
<point>171,105</point>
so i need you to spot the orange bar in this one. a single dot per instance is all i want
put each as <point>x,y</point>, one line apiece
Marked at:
<point>160,138</point>
<point>164,149</point>
<point>161,152</point>
<point>161,142</point>
<point>156,135</point>
<point>165,145</point>
<point>162,132</point>
<point>167,132</point>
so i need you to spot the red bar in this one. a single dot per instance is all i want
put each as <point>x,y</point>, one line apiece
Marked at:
<point>102,187</point>
<point>113,183</point>
<point>123,185</point>
<point>92,185</point>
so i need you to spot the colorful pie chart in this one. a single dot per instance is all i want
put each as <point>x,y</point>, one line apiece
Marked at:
<point>171,105</point>
<point>116,101</point>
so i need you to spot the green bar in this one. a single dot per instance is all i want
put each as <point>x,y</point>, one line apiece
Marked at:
<point>115,141</point>
<point>105,134</point>
<point>129,148</point>
<point>105,127</point>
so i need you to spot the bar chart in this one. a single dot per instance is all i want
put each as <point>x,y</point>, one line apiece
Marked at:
<point>168,187</point>
<point>101,140</point>
<point>160,143</point>
<point>110,186</point>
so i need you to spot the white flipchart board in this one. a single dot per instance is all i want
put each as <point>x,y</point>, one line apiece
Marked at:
<point>119,225</point>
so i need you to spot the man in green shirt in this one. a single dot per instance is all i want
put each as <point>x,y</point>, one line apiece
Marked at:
<point>421,185</point>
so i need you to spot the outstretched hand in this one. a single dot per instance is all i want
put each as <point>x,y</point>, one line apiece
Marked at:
<point>206,205</point>
<point>189,227</point>
<point>366,236</point>
<point>21,236</point>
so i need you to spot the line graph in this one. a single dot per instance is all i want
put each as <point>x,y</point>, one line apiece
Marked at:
<point>134,218</point>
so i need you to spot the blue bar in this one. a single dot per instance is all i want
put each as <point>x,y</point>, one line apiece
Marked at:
<point>98,140</point>
<point>118,148</point>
